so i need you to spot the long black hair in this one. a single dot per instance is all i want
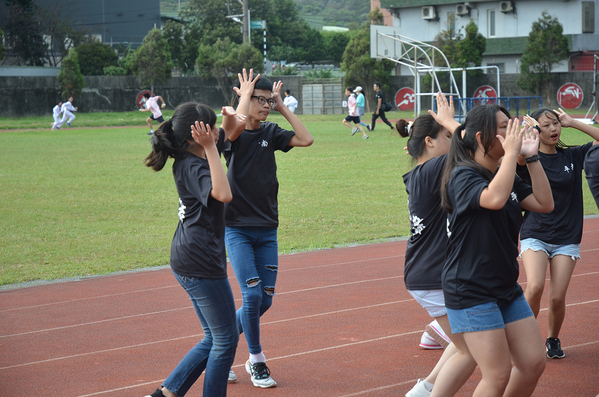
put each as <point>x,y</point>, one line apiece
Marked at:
<point>461,152</point>
<point>422,127</point>
<point>171,138</point>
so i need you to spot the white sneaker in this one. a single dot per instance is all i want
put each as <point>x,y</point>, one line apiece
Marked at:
<point>354,131</point>
<point>419,390</point>
<point>260,375</point>
<point>232,376</point>
<point>436,332</point>
<point>428,343</point>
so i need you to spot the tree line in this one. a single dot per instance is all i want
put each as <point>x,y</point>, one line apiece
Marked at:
<point>204,42</point>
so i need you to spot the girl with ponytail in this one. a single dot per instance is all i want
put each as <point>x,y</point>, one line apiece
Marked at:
<point>428,144</point>
<point>490,319</point>
<point>198,258</point>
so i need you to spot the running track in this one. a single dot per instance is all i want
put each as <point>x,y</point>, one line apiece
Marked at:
<point>342,325</point>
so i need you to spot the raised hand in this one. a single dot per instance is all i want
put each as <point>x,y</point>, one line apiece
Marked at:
<point>202,134</point>
<point>276,95</point>
<point>228,111</point>
<point>445,110</point>
<point>246,83</point>
<point>564,119</point>
<point>530,121</point>
<point>512,143</point>
<point>530,142</point>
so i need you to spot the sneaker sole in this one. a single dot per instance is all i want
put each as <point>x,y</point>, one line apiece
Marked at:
<point>556,355</point>
<point>435,335</point>
<point>256,383</point>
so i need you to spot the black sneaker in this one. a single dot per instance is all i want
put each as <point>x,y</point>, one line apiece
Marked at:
<point>554,348</point>
<point>157,393</point>
<point>260,375</point>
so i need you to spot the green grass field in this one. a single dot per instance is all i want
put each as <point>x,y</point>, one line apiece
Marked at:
<point>79,201</point>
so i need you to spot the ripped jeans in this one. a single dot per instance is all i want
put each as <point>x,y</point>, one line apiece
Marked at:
<point>254,256</point>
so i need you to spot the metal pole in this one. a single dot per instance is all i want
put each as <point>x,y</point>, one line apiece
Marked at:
<point>246,22</point>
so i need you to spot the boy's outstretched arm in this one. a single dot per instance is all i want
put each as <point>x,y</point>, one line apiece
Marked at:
<point>302,137</point>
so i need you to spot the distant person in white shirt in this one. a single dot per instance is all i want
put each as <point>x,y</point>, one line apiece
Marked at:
<point>67,112</point>
<point>56,112</point>
<point>290,101</point>
<point>152,106</point>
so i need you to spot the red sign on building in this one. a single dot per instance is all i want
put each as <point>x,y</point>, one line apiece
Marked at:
<point>486,94</point>
<point>569,96</point>
<point>405,98</point>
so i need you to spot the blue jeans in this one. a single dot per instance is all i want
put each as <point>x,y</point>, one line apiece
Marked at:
<point>214,304</point>
<point>254,256</point>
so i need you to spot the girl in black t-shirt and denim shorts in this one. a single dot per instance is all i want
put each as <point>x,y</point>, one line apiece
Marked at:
<point>555,237</point>
<point>489,317</point>
<point>428,144</point>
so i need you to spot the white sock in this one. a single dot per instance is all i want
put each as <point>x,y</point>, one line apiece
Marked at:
<point>427,385</point>
<point>152,131</point>
<point>258,358</point>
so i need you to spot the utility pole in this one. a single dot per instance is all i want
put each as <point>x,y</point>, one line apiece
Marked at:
<point>246,21</point>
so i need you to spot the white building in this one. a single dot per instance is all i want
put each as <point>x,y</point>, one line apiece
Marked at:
<point>505,24</point>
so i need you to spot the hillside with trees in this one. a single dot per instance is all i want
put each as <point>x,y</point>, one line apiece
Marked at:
<point>331,12</point>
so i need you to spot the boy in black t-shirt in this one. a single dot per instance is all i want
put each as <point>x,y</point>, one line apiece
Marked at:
<point>380,108</point>
<point>252,217</point>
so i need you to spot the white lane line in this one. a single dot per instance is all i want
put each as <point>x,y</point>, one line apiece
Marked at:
<point>231,278</point>
<point>237,300</point>
<point>189,307</point>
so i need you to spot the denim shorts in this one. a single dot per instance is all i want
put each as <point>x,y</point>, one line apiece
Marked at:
<point>571,250</point>
<point>488,316</point>
<point>432,300</point>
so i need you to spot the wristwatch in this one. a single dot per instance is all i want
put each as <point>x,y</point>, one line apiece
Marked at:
<point>532,159</point>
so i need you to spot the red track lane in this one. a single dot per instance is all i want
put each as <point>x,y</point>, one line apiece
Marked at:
<point>342,324</point>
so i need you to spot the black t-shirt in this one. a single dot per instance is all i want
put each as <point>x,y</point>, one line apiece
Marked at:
<point>591,169</point>
<point>252,174</point>
<point>379,94</point>
<point>425,253</point>
<point>563,225</point>
<point>198,247</point>
<point>482,250</point>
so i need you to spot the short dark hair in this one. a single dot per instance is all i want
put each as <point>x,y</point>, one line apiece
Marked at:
<point>287,92</point>
<point>146,95</point>
<point>261,84</point>
<point>377,84</point>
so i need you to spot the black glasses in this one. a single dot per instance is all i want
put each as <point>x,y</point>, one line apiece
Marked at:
<point>262,100</point>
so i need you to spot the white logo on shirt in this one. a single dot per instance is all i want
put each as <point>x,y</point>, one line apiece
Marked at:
<point>571,168</point>
<point>448,231</point>
<point>514,196</point>
<point>182,209</point>
<point>417,227</point>
<point>263,143</point>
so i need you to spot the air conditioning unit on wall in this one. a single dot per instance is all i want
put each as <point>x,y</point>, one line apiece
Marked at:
<point>462,9</point>
<point>429,13</point>
<point>506,6</point>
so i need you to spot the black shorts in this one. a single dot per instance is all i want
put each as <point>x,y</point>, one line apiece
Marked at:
<point>160,119</point>
<point>355,119</point>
